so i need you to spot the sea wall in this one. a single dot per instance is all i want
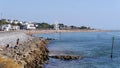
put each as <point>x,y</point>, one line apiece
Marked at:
<point>28,54</point>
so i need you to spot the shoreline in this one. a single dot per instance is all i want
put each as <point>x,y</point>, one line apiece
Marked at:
<point>31,51</point>
<point>31,32</point>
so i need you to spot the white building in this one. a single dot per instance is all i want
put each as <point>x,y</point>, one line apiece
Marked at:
<point>56,26</point>
<point>29,26</point>
<point>5,27</point>
<point>15,27</point>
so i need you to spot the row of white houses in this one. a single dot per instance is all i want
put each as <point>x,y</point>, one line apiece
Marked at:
<point>7,27</point>
<point>29,26</point>
<point>24,25</point>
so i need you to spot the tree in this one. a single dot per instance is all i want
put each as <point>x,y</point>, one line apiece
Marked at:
<point>13,23</point>
<point>19,24</point>
<point>52,26</point>
<point>43,26</point>
<point>3,21</point>
<point>83,27</point>
<point>61,26</point>
<point>73,27</point>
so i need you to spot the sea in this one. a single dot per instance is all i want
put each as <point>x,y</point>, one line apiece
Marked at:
<point>96,49</point>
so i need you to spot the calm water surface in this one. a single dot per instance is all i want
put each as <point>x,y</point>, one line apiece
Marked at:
<point>95,47</point>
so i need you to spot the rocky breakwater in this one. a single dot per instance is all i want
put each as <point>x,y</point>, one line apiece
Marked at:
<point>28,54</point>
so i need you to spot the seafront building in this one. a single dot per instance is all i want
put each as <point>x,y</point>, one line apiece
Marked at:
<point>5,27</point>
<point>56,26</point>
<point>29,26</point>
<point>16,25</point>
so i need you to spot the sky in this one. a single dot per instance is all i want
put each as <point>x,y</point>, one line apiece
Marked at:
<point>99,14</point>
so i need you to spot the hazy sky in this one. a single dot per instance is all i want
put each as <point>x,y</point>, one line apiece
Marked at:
<point>103,14</point>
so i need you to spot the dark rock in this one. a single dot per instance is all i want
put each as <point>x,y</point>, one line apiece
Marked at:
<point>50,39</point>
<point>66,57</point>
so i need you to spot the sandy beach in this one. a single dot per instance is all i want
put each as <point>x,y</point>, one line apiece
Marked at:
<point>11,38</point>
<point>30,32</point>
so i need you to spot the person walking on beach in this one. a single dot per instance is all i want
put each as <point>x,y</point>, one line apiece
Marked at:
<point>7,46</point>
<point>17,41</point>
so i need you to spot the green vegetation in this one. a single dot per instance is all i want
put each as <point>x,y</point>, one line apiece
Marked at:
<point>44,26</point>
<point>84,27</point>
<point>3,21</point>
<point>61,26</point>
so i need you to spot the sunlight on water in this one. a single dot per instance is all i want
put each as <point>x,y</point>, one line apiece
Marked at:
<point>95,47</point>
